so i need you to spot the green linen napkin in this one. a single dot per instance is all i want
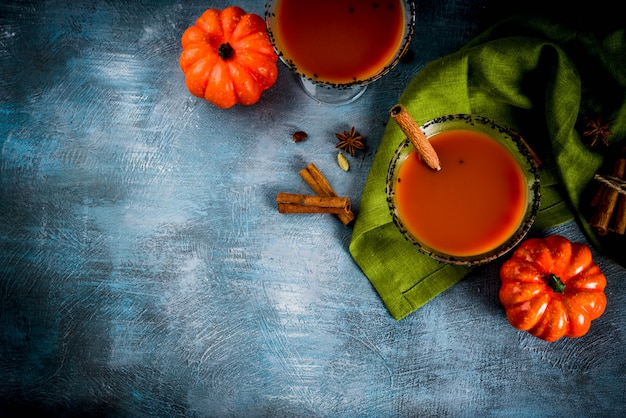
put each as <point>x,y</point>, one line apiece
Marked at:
<point>537,77</point>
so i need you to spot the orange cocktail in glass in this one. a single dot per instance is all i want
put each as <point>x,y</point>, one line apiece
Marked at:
<point>482,201</point>
<point>337,47</point>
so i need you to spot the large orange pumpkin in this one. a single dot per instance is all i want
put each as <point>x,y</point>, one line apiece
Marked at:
<point>227,57</point>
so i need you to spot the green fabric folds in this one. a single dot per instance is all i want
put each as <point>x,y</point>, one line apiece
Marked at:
<point>534,76</point>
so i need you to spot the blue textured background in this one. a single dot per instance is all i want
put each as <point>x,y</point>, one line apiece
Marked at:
<point>145,271</point>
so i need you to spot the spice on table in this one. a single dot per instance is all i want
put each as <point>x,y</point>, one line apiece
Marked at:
<point>413,132</point>
<point>343,162</point>
<point>301,203</point>
<point>607,199</point>
<point>299,136</point>
<point>597,130</point>
<point>350,141</point>
<point>620,216</point>
<point>314,178</point>
<point>619,225</point>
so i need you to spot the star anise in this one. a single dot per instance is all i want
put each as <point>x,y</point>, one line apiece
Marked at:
<point>597,130</point>
<point>350,141</point>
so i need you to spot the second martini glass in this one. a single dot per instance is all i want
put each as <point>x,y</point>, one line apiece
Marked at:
<point>338,47</point>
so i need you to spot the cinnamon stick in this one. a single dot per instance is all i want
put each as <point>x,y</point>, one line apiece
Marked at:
<point>318,183</point>
<point>620,217</point>
<point>413,132</point>
<point>597,198</point>
<point>301,203</point>
<point>602,216</point>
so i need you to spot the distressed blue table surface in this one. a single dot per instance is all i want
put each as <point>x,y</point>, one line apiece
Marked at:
<point>145,270</point>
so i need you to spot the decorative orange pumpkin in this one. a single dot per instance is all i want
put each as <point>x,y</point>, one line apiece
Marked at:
<point>227,57</point>
<point>552,288</point>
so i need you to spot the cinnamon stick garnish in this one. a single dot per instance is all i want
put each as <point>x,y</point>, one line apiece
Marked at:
<point>314,178</point>
<point>301,203</point>
<point>604,212</point>
<point>413,132</point>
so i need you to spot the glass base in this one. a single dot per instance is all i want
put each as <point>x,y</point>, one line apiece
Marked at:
<point>329,95</point>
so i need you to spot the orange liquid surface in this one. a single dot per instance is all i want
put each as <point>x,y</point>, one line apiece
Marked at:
<point>473,205</point>
<point>339,41</point>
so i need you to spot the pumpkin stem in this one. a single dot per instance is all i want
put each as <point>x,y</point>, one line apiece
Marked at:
<point>556,284</point>
<point>225,51</point>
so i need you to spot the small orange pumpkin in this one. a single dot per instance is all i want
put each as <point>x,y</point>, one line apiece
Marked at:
<point>552,288</point>
<point>227,57</point>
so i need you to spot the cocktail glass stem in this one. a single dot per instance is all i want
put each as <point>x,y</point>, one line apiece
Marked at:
<point>332,95</point>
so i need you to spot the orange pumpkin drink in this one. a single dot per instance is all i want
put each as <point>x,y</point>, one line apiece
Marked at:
<point>474,204</point>
<point>338,41</point>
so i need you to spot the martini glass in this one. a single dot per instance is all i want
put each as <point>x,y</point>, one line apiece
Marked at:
<point>338,47</point>
<point>476,214</point>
